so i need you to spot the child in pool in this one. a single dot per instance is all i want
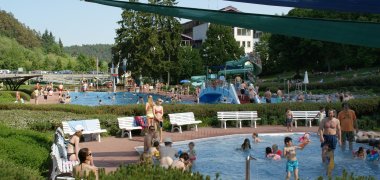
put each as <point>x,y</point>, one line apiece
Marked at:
<point>360,153</point>
<point>191,152</point>
<point>246,144</point>
<point>305,138</point>
<point>372,155</point>
<point>269,154</point>
<point>276,150</point>
<point>256,138</point>
<point>290,154</point>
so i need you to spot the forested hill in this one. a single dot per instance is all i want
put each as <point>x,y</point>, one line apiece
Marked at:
<point>12,28</point>
<point>101,51</point>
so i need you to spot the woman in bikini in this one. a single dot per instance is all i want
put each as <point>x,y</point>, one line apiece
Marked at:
<point>73,145</point>
<point>329,135</point>
<point>85,168</point>
<point>149,110</point>
<point>158,112</point>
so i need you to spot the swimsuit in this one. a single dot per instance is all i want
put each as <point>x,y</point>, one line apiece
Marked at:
<point>330,140</point>
<point>158,111</point>
<point>69,154</point>
<point>291,165</point>
<point>149,112</point>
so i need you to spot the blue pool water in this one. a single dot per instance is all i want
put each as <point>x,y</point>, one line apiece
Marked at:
<point>219,155</point>
<point>108,98</point>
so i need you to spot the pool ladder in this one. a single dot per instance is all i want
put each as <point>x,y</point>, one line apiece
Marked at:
<point>248,167</point>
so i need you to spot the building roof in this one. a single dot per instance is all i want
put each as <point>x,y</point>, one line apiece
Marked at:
<point>230,9</point>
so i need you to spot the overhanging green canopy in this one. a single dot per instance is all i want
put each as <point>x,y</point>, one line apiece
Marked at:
<point>346,32</point>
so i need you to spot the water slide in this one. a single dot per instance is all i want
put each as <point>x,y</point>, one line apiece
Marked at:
<point>220,92</point>
<point>249,65</point>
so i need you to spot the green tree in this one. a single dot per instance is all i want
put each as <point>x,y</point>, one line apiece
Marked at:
<point>82,63</point>
<point>170,36</point>
<point>148,41</point>
<point>290,53</point>
<point>220,46</point>
<point>60,45</point>
<point>69,65</point>
<point>12,28</point>
<point>58,65</point>
<point>190,62</point>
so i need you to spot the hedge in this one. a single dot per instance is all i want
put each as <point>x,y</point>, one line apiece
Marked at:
<point>10,96</point>
<point>25,150</point>
<point>146,171</point>
<point>370,81</point>
<point>47,117</point>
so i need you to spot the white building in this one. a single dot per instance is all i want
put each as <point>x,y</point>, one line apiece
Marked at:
<point>244,37</point>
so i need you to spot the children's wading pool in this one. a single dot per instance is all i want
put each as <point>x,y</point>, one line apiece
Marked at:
<point>219,155</point>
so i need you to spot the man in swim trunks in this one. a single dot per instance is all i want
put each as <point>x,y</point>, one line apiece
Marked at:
<point>349,124</point>
<point>329,134</point>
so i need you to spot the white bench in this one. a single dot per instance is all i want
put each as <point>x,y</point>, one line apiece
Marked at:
<point>91,126</point>
<point>61,165</point>
<point>308,116</point>
<point>126,124</point>
<point>177,120</point>
<point>237,116</point>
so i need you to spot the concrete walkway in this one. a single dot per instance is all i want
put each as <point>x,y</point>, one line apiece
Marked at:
<point>113,151</point>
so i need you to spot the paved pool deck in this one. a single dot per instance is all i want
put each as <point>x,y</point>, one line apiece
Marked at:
<point>111,152</point>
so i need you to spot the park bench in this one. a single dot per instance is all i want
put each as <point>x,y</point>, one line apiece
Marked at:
<point>308,116</point>
<point>127,124</point>
<point>177,120</point>
<point>61,165</point>
<point>91,126</point>
<point>237,116</point>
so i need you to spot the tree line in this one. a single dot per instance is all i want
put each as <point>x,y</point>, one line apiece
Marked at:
<point>281,53</point>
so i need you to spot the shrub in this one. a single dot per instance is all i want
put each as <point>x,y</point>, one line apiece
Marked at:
<point>145,171</point>
<point>9,170</point>
<point>25,148</point>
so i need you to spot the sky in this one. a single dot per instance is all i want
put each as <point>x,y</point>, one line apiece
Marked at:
<point>78,22</point>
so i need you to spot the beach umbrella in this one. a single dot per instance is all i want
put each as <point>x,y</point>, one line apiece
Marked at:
<point>185,81</point>
<point>306,79</point>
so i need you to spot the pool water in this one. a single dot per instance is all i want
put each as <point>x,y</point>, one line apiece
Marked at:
<point>220,155</point>
<point>108,98</point>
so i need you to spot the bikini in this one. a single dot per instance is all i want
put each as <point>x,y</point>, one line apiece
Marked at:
<point>158,111</point>
<point>69,154</point>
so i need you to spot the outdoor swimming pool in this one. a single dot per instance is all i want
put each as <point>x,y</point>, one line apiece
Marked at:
<point>108,98</point>
<point>219,155</point>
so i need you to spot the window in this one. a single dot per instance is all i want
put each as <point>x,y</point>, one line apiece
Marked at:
<point>257,34</point>
<point>243,44</point>
<point>249,44</point>
<point>239,31</point>
<point>243,32</point>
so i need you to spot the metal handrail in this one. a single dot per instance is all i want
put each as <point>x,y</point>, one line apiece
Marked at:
<point>248,167</point>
